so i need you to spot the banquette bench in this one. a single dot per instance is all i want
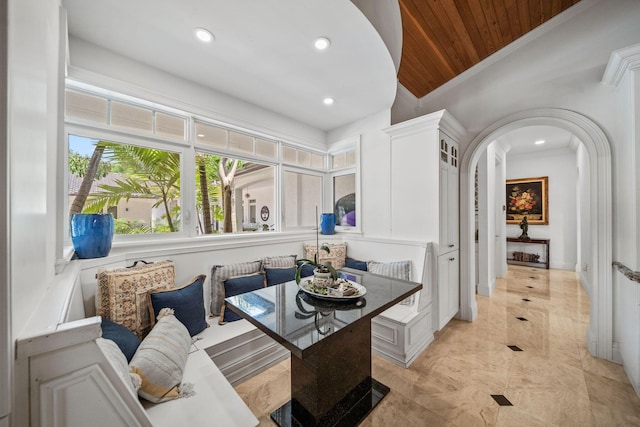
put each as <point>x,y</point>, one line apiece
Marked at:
<point>68,380</point>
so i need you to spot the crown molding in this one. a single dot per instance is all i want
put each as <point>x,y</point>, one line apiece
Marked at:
<point>621,61</point>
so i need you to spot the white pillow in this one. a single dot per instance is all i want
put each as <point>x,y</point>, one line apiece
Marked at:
<point>160,360</point>
<point>117,359</point>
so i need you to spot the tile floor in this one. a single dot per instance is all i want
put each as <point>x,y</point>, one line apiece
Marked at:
<point>553,381</point>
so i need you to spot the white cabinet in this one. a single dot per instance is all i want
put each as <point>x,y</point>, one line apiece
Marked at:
<point>424,201</point>
<point>448,194</point>
<point>448,288</point>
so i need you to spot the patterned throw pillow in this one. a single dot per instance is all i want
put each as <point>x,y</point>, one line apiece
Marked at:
<point>337,254</point>
<point>161,358</point>
<point>236,286</point>
<point>220,273</point>
<point>187,302</point>
<point>122,293</point>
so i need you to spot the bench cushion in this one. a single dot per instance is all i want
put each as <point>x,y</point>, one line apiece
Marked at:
<point>215,402</point>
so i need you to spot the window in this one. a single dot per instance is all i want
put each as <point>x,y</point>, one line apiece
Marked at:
<point>233,180</point>
<point>345,185</point>
<point>140,186</point>
<point>302,195</point>
<point>226,196</point>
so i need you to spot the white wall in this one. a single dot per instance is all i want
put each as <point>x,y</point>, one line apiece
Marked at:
<point>560,167</point>
<point>375,171</point>
<point>584,217</point>
<point>95,65</point>
<point>33,100</point>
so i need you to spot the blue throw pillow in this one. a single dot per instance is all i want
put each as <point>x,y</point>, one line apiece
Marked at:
<point>122,336</point>
<point>307,270</point>
<point>356,264</point>
<point>187,303</point>
<point>236,286</point>
<point>276,276</point>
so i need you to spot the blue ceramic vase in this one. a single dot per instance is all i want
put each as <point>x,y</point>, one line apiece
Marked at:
<point>327,223</point>
<point>92,234</point>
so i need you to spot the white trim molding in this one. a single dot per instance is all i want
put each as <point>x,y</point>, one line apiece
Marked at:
<point>621,61</point>
<point>600,332</point>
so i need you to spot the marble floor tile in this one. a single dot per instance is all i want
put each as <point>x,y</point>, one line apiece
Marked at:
<point>553,381</point>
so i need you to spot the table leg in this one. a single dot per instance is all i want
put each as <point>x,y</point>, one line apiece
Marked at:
<point>331,383</point>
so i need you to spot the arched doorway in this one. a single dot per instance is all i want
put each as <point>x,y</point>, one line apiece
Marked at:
<point>600,332</point>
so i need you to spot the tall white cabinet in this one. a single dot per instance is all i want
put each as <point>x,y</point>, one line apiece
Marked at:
<point>425,199</point>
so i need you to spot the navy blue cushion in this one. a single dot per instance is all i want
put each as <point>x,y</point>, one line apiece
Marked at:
<point>356,264</point>
<point>240,285</point>
<point>187,303</point>
<point>122,336</point>
<point>307,270</point>
<point>276,276</point>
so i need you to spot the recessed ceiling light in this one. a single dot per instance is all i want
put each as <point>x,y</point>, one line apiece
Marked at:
<point>322,43</point>
<point>203,35</point>
<point>541,141</point>
<point>201,135</point>
<point>328,101</point>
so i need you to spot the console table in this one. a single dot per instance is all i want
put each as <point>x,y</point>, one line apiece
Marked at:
<point>330,344</point>
<point>543,242</point>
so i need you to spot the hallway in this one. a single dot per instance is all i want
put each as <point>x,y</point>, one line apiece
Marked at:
<point>553,381</point>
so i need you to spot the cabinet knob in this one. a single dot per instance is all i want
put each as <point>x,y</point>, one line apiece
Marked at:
<point>452,259</point>
<point>451,245</point>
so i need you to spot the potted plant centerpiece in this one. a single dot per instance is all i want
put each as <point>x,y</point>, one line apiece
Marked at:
<point>323,274</point>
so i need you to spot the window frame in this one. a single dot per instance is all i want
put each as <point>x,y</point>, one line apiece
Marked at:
<point>187,148</point>
<point>344,146</point>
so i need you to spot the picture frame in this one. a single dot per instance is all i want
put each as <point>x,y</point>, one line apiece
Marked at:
<point>527,197</point>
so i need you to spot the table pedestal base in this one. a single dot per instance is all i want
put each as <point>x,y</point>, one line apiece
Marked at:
<point>350,411</point>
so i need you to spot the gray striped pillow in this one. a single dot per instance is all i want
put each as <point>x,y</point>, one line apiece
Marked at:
<point>220,273</point>
<point>396,269</point>
<point>282,261</point>
<point>161,358</point>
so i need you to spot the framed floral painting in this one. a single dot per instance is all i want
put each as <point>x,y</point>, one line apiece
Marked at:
<point>528,197</point>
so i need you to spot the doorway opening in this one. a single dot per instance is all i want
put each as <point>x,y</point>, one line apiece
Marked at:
<point>600,331</point>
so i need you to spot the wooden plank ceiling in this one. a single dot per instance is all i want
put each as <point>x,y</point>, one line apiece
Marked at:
<point>443,38</point>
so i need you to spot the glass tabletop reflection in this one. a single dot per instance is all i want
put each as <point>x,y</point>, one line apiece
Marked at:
<point>299,320</point>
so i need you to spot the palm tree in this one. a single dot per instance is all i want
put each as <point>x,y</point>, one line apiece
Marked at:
<point>148,172</point>
<point>87,180</point>
<point>226,171</point>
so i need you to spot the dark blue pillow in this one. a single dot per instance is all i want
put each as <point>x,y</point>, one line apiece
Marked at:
<point>307,270</point>
<point>276,276</point>
<point>356,264</point>
<point>240,285</point>
<point>122,336</point>
<point>187,303</point>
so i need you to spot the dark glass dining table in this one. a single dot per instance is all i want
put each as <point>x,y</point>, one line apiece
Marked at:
<point>330,344</point>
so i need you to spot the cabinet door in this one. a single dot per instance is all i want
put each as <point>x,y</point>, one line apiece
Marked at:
<point>449,203</point>
<point>443,291</point>
<point>453,284</point>
<point>452,207</point>
<point>448,288</point>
